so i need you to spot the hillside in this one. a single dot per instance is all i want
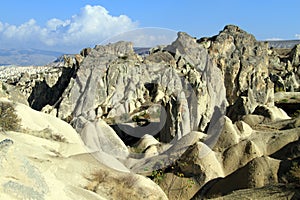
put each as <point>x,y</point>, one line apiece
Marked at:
<point>27,57</point>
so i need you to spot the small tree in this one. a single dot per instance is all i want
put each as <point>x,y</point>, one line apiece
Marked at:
<point>9,120</point>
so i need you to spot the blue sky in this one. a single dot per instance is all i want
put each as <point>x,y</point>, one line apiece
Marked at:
<point>70,25</point>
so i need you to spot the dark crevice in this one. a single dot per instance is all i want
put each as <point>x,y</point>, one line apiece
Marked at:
<point>43,95</point>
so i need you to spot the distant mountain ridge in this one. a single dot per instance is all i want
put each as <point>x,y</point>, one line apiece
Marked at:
<point>286,44</point>
<point>38,57</point>
<point>27,57</point>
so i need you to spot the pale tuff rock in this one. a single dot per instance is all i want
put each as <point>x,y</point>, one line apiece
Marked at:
<point>295,55</point>
<point>168,107</point>
<point>272,113</point>
<point>105,144</point>
<point>38,167</point>
<point>274,192</point>
<point>146,141</point>
<point>284,69</point>
<point>244,64</point>
<point>259,172</point>
<point>10,92</point>
<point>113,82</point>
<point>167,156</point>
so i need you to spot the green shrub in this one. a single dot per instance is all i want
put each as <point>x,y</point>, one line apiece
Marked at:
<point>284,101</point>
<point>157,176</point>
<point>9,120</point>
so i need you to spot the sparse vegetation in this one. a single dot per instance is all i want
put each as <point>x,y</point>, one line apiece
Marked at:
<point>284,101</point>
<point>4,88</point>
<point>46,133</point>
<point>128,181</point>
<point>9,120</point>
<point>293,97</point>
<point>123,186</point>
<point>136,150</point>
<point>97,178</point>
<point>279,89</point>
<point>157,176</point>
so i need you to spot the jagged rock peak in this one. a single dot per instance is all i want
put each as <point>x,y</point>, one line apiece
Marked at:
<point>295,55</point>
<point>120,48</point>
<point>244,64</point>
<point>233,28</point>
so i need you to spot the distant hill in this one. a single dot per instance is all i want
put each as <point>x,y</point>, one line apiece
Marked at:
<point>285,44</point>
<point>37,57</point>
<point>142,50</point>
<point>27,57</point>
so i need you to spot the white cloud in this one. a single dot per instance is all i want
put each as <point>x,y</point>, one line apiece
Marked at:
<point>54,24</point>
<point>88,28</point>
<point>1,26</point>
<point>297,36</point>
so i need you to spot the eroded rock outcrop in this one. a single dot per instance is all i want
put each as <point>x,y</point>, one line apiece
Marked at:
<point>169,107</point>
<point>113,82</point>
<point>244,64</point>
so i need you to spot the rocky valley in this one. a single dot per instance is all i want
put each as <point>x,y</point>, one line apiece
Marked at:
<point>209,118</point>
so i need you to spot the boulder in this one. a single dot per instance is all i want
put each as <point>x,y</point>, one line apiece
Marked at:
<point>195,169</point>
<point>274,192</point>
<point>194,163</point>
<point>271,112</point>
<point>167,156</point>
<point>271,141</point>
<point>147,141</point>
<point>177,186</point>
<point>257,173</point>
<point>228,137</point>
<point>244,130</point>
<point>239,155</point>
<point>261,142</point>
<point>253,120</point>
<point>232,134</point>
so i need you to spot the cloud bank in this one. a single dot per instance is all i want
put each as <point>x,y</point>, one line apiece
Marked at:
<point>88,28</point>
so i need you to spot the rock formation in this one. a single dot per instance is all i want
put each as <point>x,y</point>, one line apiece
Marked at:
<point>195,119</point>
<point>244,64</point>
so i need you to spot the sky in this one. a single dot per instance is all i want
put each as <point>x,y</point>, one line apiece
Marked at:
<point>71,25</point>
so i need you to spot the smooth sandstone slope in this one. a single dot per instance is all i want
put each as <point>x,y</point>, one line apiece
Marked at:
<point>35,164</point>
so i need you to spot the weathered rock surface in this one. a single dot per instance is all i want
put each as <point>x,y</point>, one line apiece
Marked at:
<point>284,69</point>
<point>196,167</point>
<point>259,172</point>
<point>270,192</point>
<point>271,112</point>
<point>160,115</point>
<point>244,64</point>
<point>35,165</point>
<point>113,81</point>
<point>11,93</point>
